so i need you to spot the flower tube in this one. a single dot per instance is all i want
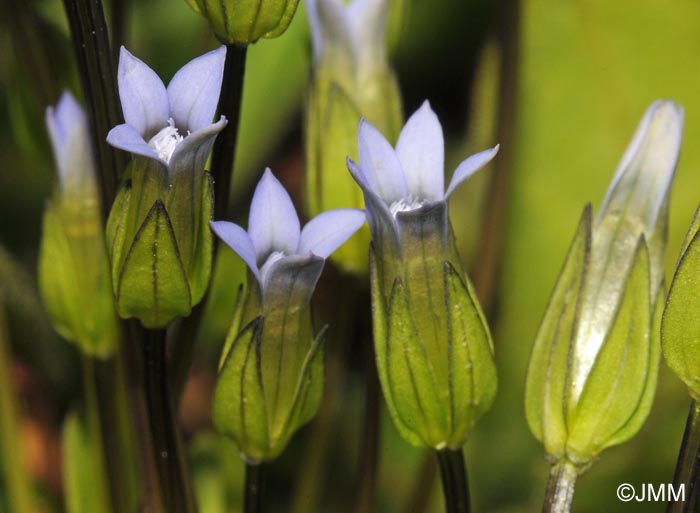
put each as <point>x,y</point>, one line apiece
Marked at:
<point>166,199</point>
<point>271,369</point>
<point>434,350</point>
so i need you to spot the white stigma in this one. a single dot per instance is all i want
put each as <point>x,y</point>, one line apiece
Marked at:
<point>165,141</point>
<point>274,257</point>
<point>404,205</point>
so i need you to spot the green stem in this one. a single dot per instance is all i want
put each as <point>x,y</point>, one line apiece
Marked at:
<point>688,466</point>
<point>12,464</point>
<point>254,482</point>
<point>91,44</point>
<point>103,492</point>
<point>560,488</point>
<point>178,496</point>
<point>118,27</point>
<point>454,480</point>
<point>224,152</point>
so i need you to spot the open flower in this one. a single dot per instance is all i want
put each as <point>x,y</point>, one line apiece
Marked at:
<point>166,198</point>
<point>274,242</point>
<point>433,347</point>
<point>409,179</point>
<point>172,126</point>
<point>271,371</point>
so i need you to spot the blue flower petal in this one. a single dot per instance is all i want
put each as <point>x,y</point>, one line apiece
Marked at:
<point>380,164</point>
<point>329,230</point>
<point>273,224</point>
<point>125,137</point>
<point>192,153</point>
<point>470,166</point>
<point>194,91</point>
<point>421,151</point>
<point>238,240</point>
<point>143,95</point>
<point>67,117</point>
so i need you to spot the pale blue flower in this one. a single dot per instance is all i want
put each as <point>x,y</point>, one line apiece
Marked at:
<point>69,134</point>
<point>172,126</point>
<point>409,179</point>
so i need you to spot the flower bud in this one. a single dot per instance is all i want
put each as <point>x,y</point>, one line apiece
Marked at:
<point>434,350</point>
<point>593,369</point>
<point>351,79</point>
<point>158,229</point>
<point>271,370</point>
<point>74,274</point>
<point>246,21</point>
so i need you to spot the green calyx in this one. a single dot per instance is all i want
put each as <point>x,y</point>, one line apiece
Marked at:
<point>270,374</point>
<point>576,420</point>
<point>434,350</point>
<point>74,277</point>
<point>245,21</point>
<point>160,244</point>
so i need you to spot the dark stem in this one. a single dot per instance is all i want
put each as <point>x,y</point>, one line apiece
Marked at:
<point>560,488</point>
<point>254,482</point>
<point>118,26</point>
<point>91,44</point>
<point>688,466</point>
<point>455,487</point>
<point>489,256</point>
<point>224,152</point>
<point>165,434</point>
<point>151,493</point>
<point>369,449</point>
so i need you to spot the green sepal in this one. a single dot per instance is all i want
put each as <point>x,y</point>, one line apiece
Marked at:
<point>152,284</point>
<point>615,387</point>
<point>234,329</point>
<point>680,326</point>
<point>74,280</point>
<point>380,327</point>
<point>241,406</point>
<point>115,231</point>
<point>238,407</point>
<point>199,269</point>
<point>414,386</point>
<point>549,362</point>
<point>472,370</point>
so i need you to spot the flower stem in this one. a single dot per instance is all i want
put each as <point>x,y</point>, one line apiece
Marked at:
<point>560,488</point>
<point>688,466</point>
<point>165,434</point>
<point>224,152</point>
<point>454,480</point>
<point>91,44</point>
<point>254,481</point>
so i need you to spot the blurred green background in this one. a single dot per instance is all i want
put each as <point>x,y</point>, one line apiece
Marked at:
<point>560,83</point>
